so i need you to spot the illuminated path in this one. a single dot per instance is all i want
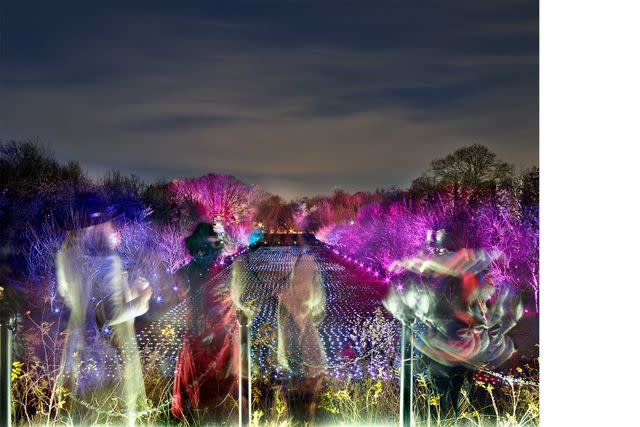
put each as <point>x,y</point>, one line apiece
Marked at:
<point>351,302</point>
<point>359,336</point>
<point>354,313</point>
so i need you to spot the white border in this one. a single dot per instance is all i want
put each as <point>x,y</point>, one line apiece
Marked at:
<point>590,304</point>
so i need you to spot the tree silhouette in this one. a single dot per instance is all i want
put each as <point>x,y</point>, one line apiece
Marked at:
<point>473,166</point>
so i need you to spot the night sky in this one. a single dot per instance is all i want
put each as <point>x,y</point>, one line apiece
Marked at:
<point>296,96</point>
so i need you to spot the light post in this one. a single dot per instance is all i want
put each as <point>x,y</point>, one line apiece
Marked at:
<point>7,327</point>
<point>406,374</point>
<point>244,373</point>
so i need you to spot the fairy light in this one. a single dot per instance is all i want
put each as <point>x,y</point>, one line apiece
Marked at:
<point>350,297</point>
<point>509,379</point>
<point>353,291</point>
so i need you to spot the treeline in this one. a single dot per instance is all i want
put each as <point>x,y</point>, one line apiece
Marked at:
<point>470,189</point>
<point>40,200</point>
<point>471,176</point>
<point>480,200</point>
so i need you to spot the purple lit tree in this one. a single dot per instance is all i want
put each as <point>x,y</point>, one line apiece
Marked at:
<point>216,195</point>
<point>219,197</point>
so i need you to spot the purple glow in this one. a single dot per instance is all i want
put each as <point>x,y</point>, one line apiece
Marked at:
<point>386,232</point>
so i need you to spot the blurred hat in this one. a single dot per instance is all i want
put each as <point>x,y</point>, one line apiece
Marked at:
<point>90,209</point>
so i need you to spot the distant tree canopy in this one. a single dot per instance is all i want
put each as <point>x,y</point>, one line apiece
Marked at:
<point>338,208</point>
<point>531,187</point>
<point>469,171</point>
<point>275,214</point>
<point>34,188</point>
<point>421,186</point>
<point>120,185</point>
<point>163,206</point>
<point>28,169</point>
<point>471,166</point>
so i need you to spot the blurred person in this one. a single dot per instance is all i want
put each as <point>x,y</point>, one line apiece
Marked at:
<point>301,308</point>
<point>205,246</point>
<point>457,329</point>
<point>204,374</point>
<point>100,359</point>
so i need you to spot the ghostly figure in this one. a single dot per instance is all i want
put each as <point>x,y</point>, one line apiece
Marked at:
<point>100,359</point>
<point>453,302</point>
<point>205,246</point>
<point>205,368</point>
<point>457,330</point>
<point>301,308</point>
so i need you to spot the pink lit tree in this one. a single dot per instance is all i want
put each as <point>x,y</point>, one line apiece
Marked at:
<point>217,197</point>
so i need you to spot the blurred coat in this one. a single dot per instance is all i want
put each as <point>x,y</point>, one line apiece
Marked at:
<point>301,308</point>
<point>100,352</point>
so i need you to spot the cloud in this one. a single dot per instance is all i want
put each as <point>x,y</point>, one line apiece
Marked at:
<point>174,123</point>
<point>307,101</point>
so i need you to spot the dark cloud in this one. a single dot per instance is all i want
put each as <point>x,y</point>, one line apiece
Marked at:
<point>297,96</point>
<point>175,123</point>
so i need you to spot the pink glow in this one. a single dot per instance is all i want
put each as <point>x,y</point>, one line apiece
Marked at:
<point>396,230</point>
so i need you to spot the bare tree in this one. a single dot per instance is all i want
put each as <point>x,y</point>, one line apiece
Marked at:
<point>216,195</point>
<point>472,166</point>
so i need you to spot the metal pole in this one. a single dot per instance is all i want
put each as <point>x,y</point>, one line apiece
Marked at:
<point>406,376</point>
<point>7,327</point>
<point>244,374</point>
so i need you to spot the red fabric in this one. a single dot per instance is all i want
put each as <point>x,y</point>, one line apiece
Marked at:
<point>206,370</point>
<point>185,386</point>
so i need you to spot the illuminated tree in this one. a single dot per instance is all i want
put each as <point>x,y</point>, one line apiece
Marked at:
<point>216,195</point>
<point>274,214</point>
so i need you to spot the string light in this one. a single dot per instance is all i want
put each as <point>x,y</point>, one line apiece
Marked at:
<point>353,294</point>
